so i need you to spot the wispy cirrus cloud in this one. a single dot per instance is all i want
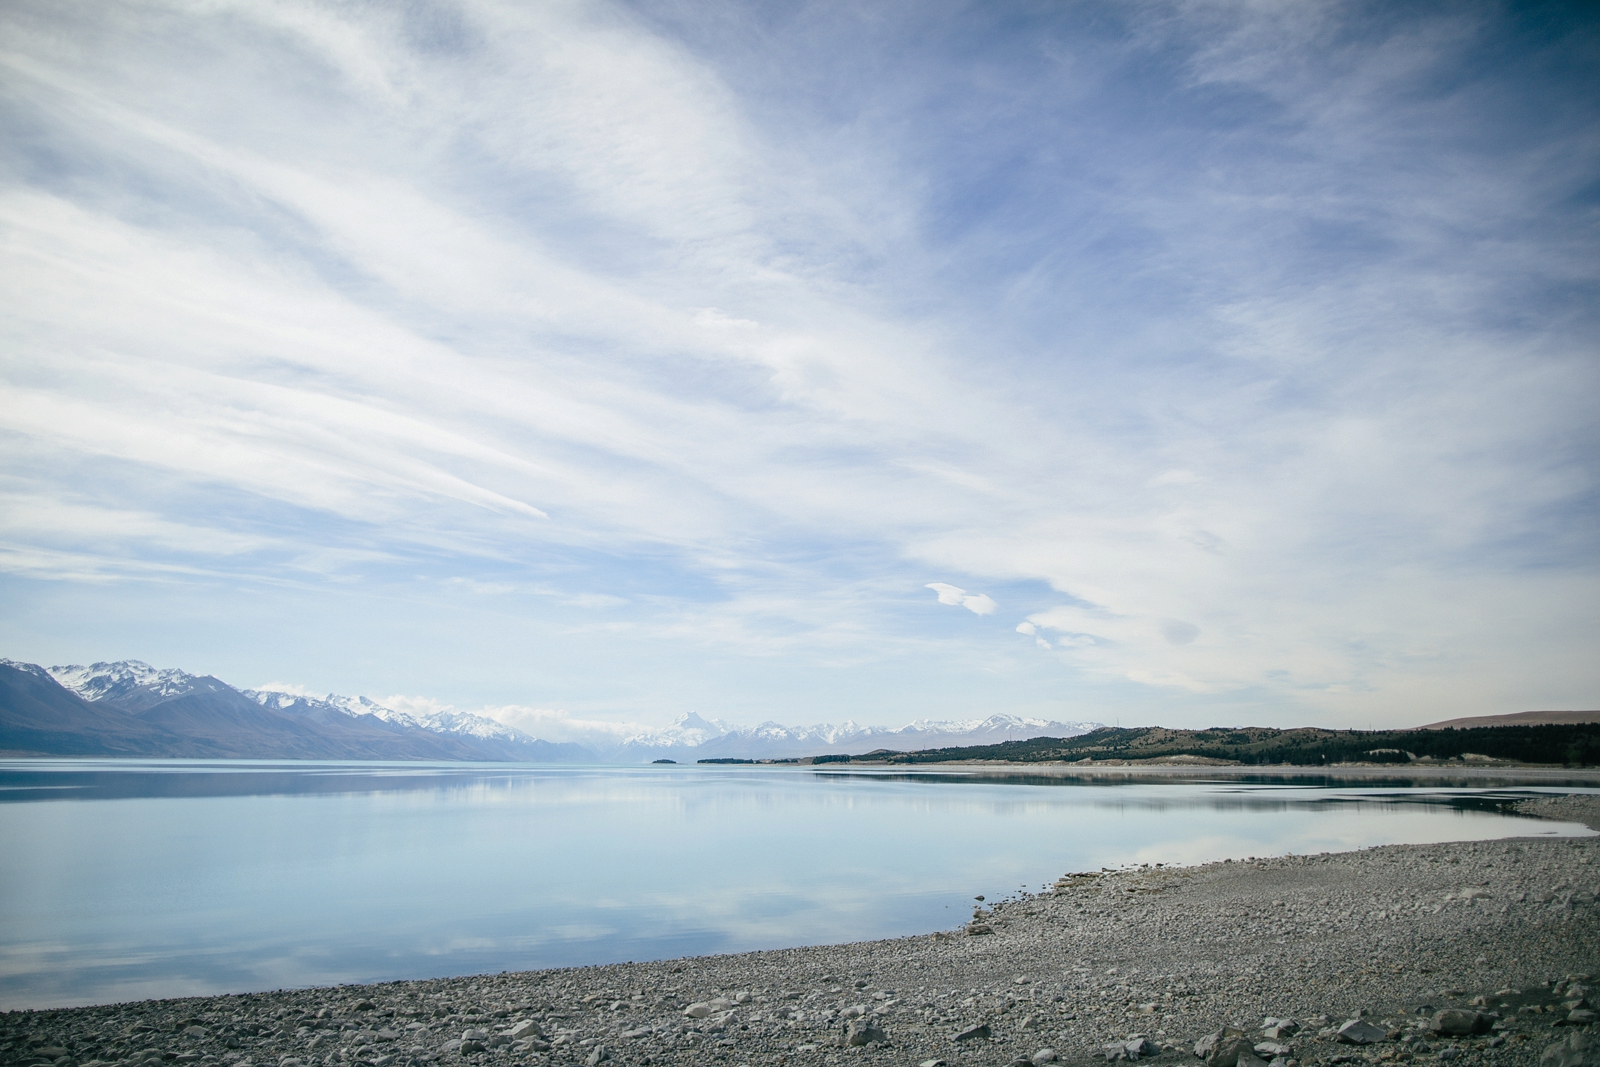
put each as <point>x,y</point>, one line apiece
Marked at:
<point>651,359</point>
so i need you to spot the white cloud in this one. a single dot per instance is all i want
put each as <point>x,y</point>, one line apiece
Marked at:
<point>557,724</point>
<point>977,603</point>
<point>562,307</point>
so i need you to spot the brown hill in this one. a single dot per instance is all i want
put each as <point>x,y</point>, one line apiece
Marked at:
<point>1520,718</point>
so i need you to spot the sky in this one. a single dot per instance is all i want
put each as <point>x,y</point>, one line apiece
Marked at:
<point>1193,363</point>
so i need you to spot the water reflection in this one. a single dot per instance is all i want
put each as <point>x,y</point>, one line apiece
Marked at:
<point>158,878</point>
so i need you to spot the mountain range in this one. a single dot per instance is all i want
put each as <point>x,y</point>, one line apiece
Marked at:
<point>128,708</point>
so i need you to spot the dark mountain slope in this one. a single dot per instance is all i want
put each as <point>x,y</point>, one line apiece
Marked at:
<point>39,717</point>
<point>134,710</point>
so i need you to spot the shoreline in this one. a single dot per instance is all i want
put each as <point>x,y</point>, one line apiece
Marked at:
<point>1169,954</point>
<point>1476,774</point>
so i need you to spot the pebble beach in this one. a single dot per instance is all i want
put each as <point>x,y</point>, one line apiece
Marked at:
<point>1471,953</point>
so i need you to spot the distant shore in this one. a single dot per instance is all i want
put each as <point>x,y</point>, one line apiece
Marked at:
<point>1148,959</point>
<point>1476,773</point>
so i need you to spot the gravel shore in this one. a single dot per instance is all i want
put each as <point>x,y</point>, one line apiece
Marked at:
<point>1133,964</point>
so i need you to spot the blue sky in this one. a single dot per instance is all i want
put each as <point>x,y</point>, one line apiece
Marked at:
<point>1189,363</point>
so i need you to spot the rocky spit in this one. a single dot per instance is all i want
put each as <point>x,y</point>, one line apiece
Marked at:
<point>1469,954</point>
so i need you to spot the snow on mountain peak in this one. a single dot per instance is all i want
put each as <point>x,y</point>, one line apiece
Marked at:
<point>102,681</point>
<point>687,736</point>
<point>26,668</point>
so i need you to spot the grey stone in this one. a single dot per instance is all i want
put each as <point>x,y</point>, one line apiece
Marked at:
<point>1208,1044</point>
<point>1229,1050</point>
<point>1045,1055</point>
<point>979,1032</point>
<point>1360,1032</point>
<point>865,1031</point>
<point>1456,1021</point>
<point>1577,1049</point>
<point>976,929</point>
<point>698,1010</point>
<point>1581,1016</point>
<point>1270,1049</point>
<point>597,1055</point>
<point>525,1028</point>
<point>1131,1049</point>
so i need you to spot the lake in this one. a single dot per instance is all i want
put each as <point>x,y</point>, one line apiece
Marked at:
<point>133,879</point>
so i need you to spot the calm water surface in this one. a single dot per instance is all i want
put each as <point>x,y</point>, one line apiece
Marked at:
<point>133,879</point>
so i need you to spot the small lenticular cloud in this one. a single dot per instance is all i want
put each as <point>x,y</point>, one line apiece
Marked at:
<point>955,596</point>
<point>1027,628</point>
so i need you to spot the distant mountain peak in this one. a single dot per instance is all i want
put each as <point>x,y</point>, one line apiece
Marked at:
<point>128,707</point>
<point>120,680</point>
<point>138,689</point>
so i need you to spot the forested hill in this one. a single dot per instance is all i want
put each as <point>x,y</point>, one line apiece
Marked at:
<point>1570,744</point>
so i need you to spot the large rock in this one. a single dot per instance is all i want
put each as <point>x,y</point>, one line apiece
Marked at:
<point>1045,1055</point>
<point>1131,1049</point>
<point>697,1010</point>
<point>1231,1052</point>
<point>865,1031</point>
<point>1208,1044</point>
<point>1361,1032</point>
<point>973,1033</point>
<point>525,1028</point>
<point>1577,1049</point>
<point>1459,1021</point>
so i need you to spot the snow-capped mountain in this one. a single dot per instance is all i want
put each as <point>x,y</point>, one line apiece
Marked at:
<point>435,720</point>
<point>687,731</point>
<point>128,680</point>
<point>200,715</point>
<point>692,737</point>
<point>171,712</point>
